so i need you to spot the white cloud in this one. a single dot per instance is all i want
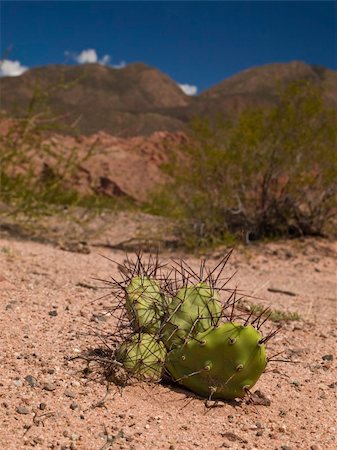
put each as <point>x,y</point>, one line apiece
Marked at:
<point>120,65</point>
<point>9,68</point>
<point>189,89</point>
<point>88,56</point>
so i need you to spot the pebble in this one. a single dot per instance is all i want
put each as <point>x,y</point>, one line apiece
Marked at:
<point>315,447</point>
<point>31,381</point>
<point>17,383</point>
<point>22,410</point>
<point>49,387</point>
<point>73,406</point>
<point>42,406</point>
<point>259,398</point>
<point>75,437</point>
<point>69,393</point>
<point>52,313</point>
<point>285,447</point>
<point>327,358</point>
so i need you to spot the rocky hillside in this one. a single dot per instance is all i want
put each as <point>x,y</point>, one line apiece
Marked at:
<point>139,99</point>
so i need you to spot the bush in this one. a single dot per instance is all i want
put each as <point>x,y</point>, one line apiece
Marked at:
<point>265,173</point>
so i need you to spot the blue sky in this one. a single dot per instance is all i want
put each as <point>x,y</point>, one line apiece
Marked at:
<point>198,43</point>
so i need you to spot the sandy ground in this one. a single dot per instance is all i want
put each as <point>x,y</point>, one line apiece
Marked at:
<point>47,402</point>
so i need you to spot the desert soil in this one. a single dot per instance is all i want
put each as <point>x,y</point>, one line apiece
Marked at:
<point>50,312</point>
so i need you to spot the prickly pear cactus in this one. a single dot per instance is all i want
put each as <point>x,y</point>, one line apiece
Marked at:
<point>143,357</point>
<point>144,303</point>
<point>223,362</point>
<point>178,325</point>
<point>195,309</point>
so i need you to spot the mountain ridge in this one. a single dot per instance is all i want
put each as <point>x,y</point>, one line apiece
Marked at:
<point>140,99</point>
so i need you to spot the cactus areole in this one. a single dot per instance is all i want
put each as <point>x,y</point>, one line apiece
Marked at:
<point>220,363</point>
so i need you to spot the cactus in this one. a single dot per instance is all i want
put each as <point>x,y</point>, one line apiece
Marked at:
<point>145,304</point>
<point>143,356</point>
<point>170,318</point>
<point>222,362</point>
<point>194,309</point>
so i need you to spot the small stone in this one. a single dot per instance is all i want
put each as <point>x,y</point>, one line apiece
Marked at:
<point>31,381</point>
<point>22,410</point>
<point>65,433</point>
<point>259,433</point>
<point>70,394</point>
<point>233,437</point>
<point>327,358</point>
<point>17,383</point>
<point>259,398</point>
<point>315,447</point>
<point>333,385</point>
<point>99,318</point>
<point>51,371</point>
<point>73,406</point>
<point>285,447</point>
<point>52,313</point>
<point>75,437</point>
<point>42,406</point>
<point>49,387</point>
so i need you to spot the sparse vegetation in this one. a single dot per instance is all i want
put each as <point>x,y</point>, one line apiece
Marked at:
<point>36,175</point>
<point>275,315</point>
<point>267,173</point>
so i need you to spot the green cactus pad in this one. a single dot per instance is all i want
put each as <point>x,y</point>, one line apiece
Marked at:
<point>194,309</point>
<point>143,357</point>
<point>145,303</point>
<point>221,363</point>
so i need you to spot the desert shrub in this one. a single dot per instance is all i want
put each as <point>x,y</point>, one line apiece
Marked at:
<point>264,173</point>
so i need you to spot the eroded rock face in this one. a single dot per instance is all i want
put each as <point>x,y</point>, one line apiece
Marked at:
<point>123,166</point>
<point>104,164</point>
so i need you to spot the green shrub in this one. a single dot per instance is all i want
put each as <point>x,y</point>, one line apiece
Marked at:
<point>264,173</point>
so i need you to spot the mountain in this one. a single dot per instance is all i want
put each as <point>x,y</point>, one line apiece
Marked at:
<point>264,81</point>
<point>139,99</point>
<point>119,101</point>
